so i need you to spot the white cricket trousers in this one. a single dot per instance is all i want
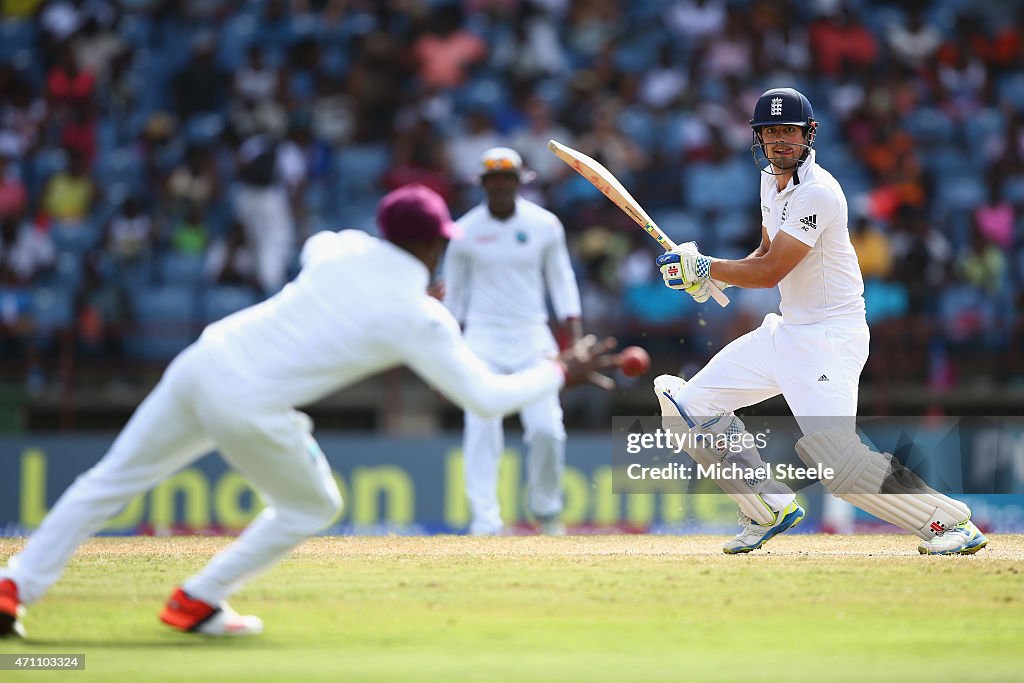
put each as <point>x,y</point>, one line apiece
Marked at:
<point>507,350</point>
<point>266,217</point>
<point>815,367</point>
<point>192,410</point>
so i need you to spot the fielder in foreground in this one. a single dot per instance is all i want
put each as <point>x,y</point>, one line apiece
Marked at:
<point>812,354</point>
<point>359,306</point>
<point>495,281</point>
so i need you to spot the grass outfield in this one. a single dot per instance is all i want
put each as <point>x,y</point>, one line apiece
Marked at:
<point>602,608</point>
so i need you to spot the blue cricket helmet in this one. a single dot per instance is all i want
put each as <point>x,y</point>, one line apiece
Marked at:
<point>781,107</point>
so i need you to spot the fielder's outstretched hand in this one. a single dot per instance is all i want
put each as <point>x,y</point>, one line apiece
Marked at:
<point>582,360</point>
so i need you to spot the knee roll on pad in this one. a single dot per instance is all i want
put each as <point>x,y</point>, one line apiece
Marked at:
<point>879,483</point>
<point>674,418</point>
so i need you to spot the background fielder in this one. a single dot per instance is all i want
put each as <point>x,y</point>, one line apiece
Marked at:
<point>812,354</point>
<point>495,281</point>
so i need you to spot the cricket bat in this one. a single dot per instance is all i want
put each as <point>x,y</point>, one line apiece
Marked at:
<point>601,178</point>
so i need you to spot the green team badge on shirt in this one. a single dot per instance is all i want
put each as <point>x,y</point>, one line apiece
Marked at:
<point>521,237</point>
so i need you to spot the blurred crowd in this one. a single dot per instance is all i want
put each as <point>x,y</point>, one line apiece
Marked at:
<point>161,161</point>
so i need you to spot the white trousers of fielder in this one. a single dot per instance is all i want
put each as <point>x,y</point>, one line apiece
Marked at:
<point>190,412</point>
<point>507,350</point>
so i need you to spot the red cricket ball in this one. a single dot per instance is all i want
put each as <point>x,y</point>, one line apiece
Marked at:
<point>633,361</point>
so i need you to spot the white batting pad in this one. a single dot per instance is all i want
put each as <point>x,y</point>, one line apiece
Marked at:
<point>747,496</point>
<point>879,484</point>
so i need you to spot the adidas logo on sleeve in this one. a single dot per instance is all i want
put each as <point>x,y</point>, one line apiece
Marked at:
<point>810,222</point>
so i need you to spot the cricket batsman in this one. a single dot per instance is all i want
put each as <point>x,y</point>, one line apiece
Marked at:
<point>359,306</point>
<point>495,281</point>
<point>812,353</point>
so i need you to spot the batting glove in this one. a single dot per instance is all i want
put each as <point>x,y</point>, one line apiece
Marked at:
<point>701,290</point>
<point>684,266</point>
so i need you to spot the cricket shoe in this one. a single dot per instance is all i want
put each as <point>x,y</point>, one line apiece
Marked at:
<point>755,535</point>
<point>190,615</point>
<point>550,525</point>
<point>962,539</point>
<point>11,610</point>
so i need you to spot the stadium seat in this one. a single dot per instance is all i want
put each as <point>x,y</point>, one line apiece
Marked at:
<point>719,187</point>
<point>223,300</point>
<point>52,311</point>
<point>165,321</point>
<point>180,269</point>
<point>680,225</point>
<point>1011,90</point>
<point>359,169</point>
<point>75,237</point>
<point>928,125</point>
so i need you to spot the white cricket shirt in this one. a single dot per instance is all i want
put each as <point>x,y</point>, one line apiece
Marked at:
<point>359,306</point>
<point>826,284</point>
<point>495,275</point>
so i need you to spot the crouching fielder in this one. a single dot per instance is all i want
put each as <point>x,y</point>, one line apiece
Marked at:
<point>812,354</point>
<point>359,306</point>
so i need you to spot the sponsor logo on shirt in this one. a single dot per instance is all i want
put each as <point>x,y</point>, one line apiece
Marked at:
<point>810,222</point>
<point>522,237</point>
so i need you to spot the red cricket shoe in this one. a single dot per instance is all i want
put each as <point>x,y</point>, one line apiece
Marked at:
<point>11,610</point>
<point>190,615</point>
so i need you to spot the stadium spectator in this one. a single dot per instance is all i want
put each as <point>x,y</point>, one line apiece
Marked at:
<point>231,260</point>
<point>130,236</point>
<point>697,21</point>
<point>201,85</point>
<point>263,207</point>
<point>26,251</point>
<point>838,37</point>
<point>257,80</point>
<point>465,149</point>
<point>78,135</point>
<point>190,234</point>
<point>914,42</point>
<point>874,252</point>
<point>13,193</point>
<point>983,264</point>
<point>923,258</point>
<point>70,194</point>
<point>68,84</point>
<point>605,141</point>
<point>195,182</point>
<point>447,50</point>
<point>532,139</point>
<point>995,218</point>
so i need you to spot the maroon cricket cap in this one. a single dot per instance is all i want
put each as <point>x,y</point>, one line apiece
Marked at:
<point>415,212</point>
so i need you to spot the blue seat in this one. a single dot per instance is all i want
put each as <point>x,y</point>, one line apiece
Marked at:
<point>637,124</point>
<point>680,225</point>
<point>165,321</point>
<point>180,269</point>
<point>75,237</point>
<point>929,125</point>
<point>736,228</point>
<point>359,169</point>
<point>53,310</point>
<point>720,187</point>
<point>223,300</point>
<point>961,191</point>
<point>1011,90</point>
